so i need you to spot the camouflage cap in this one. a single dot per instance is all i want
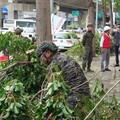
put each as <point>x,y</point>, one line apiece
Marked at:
<point>46,46</point>
<point>90,25</point>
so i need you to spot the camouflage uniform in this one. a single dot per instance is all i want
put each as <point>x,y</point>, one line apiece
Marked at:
<point>73,76</point>
<point>88,49</point>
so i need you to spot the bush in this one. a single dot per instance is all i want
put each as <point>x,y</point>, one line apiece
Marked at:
<point>76,50</point>
<point>97,43</point>
<point>30,74</point>
<point>19,82</point>
<point>15,46</point>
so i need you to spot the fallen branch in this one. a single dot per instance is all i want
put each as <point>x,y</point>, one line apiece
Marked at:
<point>7,68</point>
<point>87,117</point>
<point>37,94</point>
<point>19,63</point>
<point>2,75</point>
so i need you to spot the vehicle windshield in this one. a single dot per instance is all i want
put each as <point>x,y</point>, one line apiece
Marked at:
<point>63,36</point>
<point>25,24</point>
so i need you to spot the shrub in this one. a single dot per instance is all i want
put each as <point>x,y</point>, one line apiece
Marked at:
<point>76,50</point>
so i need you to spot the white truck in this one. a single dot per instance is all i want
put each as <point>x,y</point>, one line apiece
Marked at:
<point>28,26</point>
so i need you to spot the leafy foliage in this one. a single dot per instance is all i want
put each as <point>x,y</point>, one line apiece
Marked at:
<point>14,103</point>
<point>76,50</point>
<point>97,43</point>
<point>55,98</point>
<point>15,46</point>
<point>109,109</point>
<point>20,82</point>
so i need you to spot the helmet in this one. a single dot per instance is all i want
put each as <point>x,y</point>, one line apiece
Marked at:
<point>18,30</point>
<point>106,28</point>
<point>90,25</point>
<point>46,46</point>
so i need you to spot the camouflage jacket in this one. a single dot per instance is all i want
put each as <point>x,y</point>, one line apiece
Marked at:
<point>88,39</point>
<point>73,75</point>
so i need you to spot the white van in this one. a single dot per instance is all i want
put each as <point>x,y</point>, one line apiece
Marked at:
<point>28,26</point>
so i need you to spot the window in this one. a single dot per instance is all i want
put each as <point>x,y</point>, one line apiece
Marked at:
<point>25,24</point>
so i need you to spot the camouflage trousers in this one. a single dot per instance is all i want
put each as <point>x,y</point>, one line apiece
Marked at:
<point>87,57</point>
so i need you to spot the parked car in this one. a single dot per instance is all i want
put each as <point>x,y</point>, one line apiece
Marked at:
<point>64,40</point>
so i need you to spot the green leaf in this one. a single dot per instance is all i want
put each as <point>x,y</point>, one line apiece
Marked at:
<point>2,98</point>
<point>7,88</point>
<point>18,105</point>
<point>6,116</point>
<point>16,110</point>
<point>11,106</point>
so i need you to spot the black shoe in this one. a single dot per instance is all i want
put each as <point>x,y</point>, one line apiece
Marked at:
<point>117,65</point>
<point>107,69</point>
<point>102,70</point>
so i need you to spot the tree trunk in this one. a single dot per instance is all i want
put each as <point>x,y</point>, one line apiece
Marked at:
<point>104,12</point>
<point>80,18</point>
<point>43,21</point>
<point>91,11</point>
<point>111,14</point>
<point>91,18</point>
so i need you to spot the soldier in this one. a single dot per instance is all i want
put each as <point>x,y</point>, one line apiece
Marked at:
<point>18,31</point>
<point>88,48</point>
<point>73,74</point>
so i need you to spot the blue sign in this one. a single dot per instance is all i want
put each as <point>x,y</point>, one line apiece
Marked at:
<point>4,10</point>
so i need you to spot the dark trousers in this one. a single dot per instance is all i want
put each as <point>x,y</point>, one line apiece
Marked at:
<point>87,57</point>
<point>117,54</point>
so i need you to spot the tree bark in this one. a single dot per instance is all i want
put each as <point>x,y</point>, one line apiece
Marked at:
<point>43,21</point>
<point>111,14</point>
<point>91,18</point>
<point>91,11</point>
<point>104,12</point>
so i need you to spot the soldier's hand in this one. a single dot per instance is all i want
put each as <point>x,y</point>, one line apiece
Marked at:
<point>102,50</point>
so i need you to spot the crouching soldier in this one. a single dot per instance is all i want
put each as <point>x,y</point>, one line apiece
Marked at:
<point>73,74</point>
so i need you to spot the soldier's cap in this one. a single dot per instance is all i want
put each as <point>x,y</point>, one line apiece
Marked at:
<point>18,30</point>
<point>46,45</point>
<point>90,25</point>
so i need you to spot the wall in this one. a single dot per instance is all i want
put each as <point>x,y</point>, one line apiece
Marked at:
<point>14,9</point>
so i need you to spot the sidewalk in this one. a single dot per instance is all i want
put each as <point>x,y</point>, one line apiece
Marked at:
<point>107,78</point>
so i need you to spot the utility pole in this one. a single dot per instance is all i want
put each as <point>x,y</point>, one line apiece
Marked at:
<point>97,2</point>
